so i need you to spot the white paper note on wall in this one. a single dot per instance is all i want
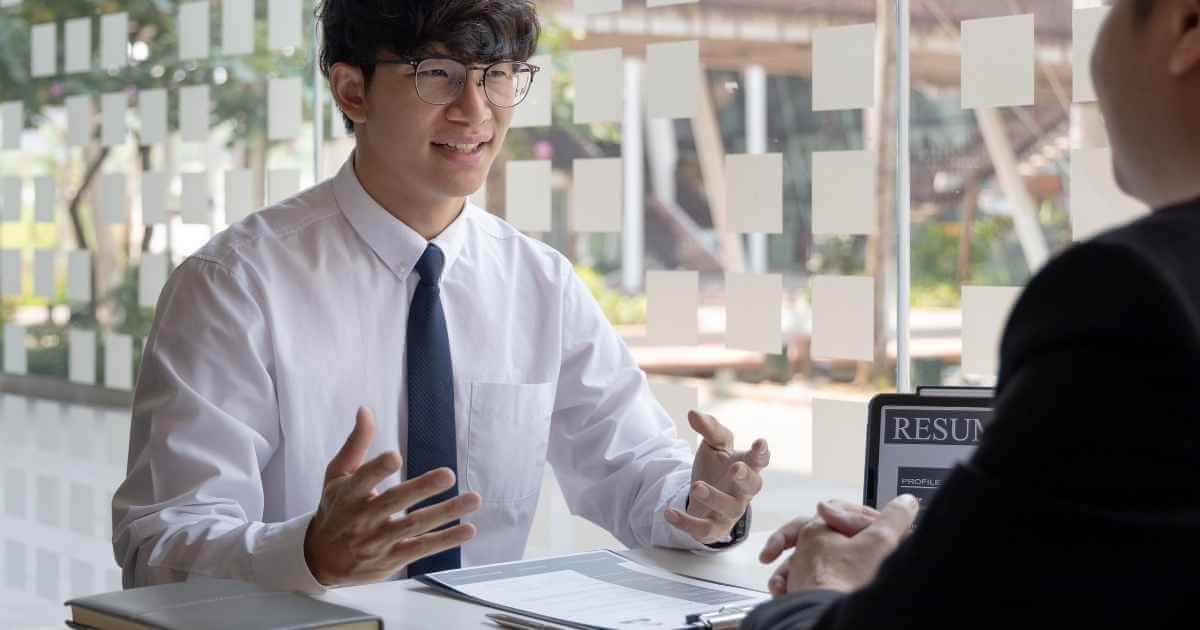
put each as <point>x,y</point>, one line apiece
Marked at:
<point>12,119</point>
<point>10,273</point>
<point>534,111</point>
<point>839,438</point>
<point>1085,26</point>
<point>113,129</point>
<point>77,39</point>
<point>114,41</point>
<point>43,55</point>
<point>985,311</point>
<point>998,62</point>
<point>599,86</point>
<point>843,318</point>
<point>672,307</point>
<point>193,30</point>
<point>239,195</point>
<point>10,198</point>
<point>194,198</point>
<point>753,312</point>
<point>281,184</point>
<point>44,280</point>
<point>678,400</point>
<point>843,189</point>
<point>283,108</point>
<point>44,202</point>
<point>672,79</point>
<point>237,27</point>
<point>152,276</point>
<point>152,109</point>
<point>527,195</point>
<point>118,361</point>
<point>82,359</point>
<point>193,113</point>
<point>599,195</point>
<point>15,358</point>
<point>754,193</point>
<point>79,120</point>
<point>844,67</point>
<point>667,3</point>
<point>1097,202</point>
<point>79,276</point>
<point>155,185</point>
<point>283,24</point>
<point>591,7</point>
<point>113,200</point>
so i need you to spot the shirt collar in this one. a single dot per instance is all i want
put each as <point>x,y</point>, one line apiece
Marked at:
<point>398,245</point>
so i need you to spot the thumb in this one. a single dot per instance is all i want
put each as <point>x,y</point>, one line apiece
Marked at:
<point>896,518</point>
<point>352,453</point>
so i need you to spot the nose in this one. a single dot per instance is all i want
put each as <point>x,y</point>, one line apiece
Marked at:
<point>472,105</point>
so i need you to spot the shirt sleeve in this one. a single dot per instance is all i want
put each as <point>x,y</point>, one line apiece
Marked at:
<point>205,423</point>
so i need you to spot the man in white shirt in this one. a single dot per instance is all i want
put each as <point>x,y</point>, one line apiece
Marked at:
<point>298,354</point>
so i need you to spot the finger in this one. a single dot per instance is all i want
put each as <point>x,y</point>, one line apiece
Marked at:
<point>424,520</point>
<point>842,520</point>
<point>409,493</point>
<point>704,530</point>
<point>895,519</point>
<point>854,507</point>
<point>351,455</point>
<point>723,504</point>
<point>714,433</point>
<point>778,582</point>
<point>746,483</point>
<point>373,472</point>
<point>425,545</point>
<point>783,539</point>
<point>759,455</point>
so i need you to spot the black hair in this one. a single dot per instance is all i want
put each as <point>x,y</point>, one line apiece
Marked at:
<point>475,31</point>
<point>1142,10</point>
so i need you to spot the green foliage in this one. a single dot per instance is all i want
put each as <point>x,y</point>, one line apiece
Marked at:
<point>620,309</point>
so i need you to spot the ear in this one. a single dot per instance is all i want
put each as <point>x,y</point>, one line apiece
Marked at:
<point>349,88</point>
<point>1185,54</point>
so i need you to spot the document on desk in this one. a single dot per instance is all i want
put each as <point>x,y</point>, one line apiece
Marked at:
<point>593,590</point>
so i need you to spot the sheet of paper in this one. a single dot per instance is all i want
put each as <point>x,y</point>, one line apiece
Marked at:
<point>534,111</point>
<point>47,510</point>
<point>672,79</point>
<point>43,54</point>
<point>281,184</point>
<point>754,193</point>
<point>118,362</point>
<point>591,7</point>
<point>283,107</point>
<point>672,307</point>
<point>193,113</point>
<point>81,361</point>
<point>114,206</point>
<point>10,273</point>
<point>77,38</point>
<point>284,22</point>
<point>753,312</point>
<point>985,311</point>
<point>237,28</point>
<point>80,120</point>
<point>1097,202</point>
<point>10,198</point>
<point>155,185</point>
<point>843,189</point>
<point>113,129</point>
<point>44,280</point>
<point>1085,25</point>
<point>527,195</point>
<point>839,438</point>
<point>15,357</point>
<point>79,276</point>
<point>599,86</point>
<point>678,400</point>
<point>193,30</point>
<point>843,318</point>
<point>152,277</point>
<point>12,119</point>
<point>152,110</point>
<point>844,67</point>
<point>599,195</point>
<point>998,62</point>
<point>667,3</point>
<point>239,195</point>
<point>194,198</point>
<point>114,41</point>
<point>44,201</point>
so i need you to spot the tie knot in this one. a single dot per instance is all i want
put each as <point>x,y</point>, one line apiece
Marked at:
<point>430,265</point>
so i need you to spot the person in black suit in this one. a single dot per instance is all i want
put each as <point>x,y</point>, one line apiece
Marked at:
<point>1081,506</point>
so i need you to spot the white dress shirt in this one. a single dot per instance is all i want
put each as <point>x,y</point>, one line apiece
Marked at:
<point>268,339</point>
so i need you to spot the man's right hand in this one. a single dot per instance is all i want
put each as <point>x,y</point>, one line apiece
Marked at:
<point>352,538</point>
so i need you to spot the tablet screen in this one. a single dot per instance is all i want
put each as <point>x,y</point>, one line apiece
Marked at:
<point>919,446</point>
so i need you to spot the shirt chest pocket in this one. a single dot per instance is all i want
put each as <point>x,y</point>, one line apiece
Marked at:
<point>507,436</point>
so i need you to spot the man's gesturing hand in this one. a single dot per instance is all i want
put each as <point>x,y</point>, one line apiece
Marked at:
<point>352,538</point>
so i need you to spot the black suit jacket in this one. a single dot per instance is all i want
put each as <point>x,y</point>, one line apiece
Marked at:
<point>1081,506</point>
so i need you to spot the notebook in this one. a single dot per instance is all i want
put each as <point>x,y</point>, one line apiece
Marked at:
<point>227,604</point>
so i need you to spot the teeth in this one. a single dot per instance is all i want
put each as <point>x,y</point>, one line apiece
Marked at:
<point>462,148</point>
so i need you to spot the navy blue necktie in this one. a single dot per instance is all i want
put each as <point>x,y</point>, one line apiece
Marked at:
<point>431,434</point>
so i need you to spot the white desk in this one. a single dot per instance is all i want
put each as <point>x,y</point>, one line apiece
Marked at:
<point>409,604</point>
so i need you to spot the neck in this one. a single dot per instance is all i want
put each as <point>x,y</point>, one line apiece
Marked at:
<point>428,215</point>
<point>1175,182</point>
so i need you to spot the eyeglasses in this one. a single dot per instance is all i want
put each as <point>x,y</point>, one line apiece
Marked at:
<point>440,81</point>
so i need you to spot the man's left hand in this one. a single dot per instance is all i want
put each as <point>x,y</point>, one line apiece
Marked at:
<point>724,482</point>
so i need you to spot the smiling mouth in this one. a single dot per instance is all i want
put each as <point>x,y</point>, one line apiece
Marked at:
<point>465,149</point>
